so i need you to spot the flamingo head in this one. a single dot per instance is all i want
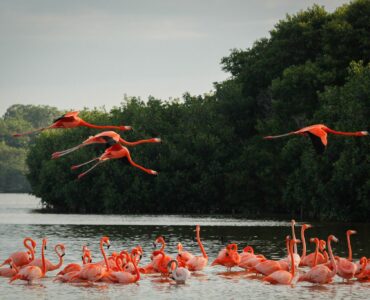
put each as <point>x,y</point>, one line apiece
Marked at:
<point>293,222</point>
<point>197,228</point>
<point>152,172</point>
<point>157,140</point>
<point>105,240</point>
<point>349,232</point>
<point>248,249</point>
<point>44,242</point>
<point>306,226</point>
<point>232,247</point>
<point>179,247</point>
<point>159,240</point>
<point>287,238</point>
<point>322,245</point>
<point>364,133</point>
<point>62,249</point>
<point>125,128</point>
<point>332,238</point>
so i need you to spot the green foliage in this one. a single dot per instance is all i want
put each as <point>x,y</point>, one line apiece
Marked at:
<point>314,68</point>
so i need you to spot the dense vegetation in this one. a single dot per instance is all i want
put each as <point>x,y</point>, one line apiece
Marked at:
<point>13,152</point>
<point>314,68</point>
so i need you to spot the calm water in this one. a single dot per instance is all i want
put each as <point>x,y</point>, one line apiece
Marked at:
<point>17,221</point>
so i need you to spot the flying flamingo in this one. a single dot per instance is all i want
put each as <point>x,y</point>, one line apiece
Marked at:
<point>228,257</point>
<point>321,273</point>
<point>86,258</point>
<point>49,265</point>
<point>183,256</point>
<point>22,258</point>
<point>198,263</point>
<point>31,273</point>
<point>318,134</point>
<point>94,271</point>
<point>11,271</point>
<point>345,267</point>
<point>71,120</point>
<point>180,275</point>
<point>114,152</point>
<point>283,276</point>
<point>106,137</point>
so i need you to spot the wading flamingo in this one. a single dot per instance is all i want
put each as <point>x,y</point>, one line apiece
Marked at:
<point>11,271</point>
<point>364,274</point>
<point>125,277</point>
<point>282,276</point>
<point>297,258</point>
<point>114,152</point>
<point>22,258</point>
<point>318,134</point>
<point>321,273</point>
<point>59,250</point>
<point>197,263</point>
<point>183,256</point>
<point>316,257</point>
<point>248,259</point>
<point>106,137</point>
<point>180,275</point>
<point>86,258</point>
<point>31,273</point>
<point>345,267</point>
<point>94,271</point>
<point>72,120</point>
<point>228,257</point>
<point>150,267</point>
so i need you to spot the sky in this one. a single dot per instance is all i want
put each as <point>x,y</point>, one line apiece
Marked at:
<point>90,53</point>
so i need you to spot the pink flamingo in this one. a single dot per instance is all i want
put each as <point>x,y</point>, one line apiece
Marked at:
<point>282,276</point>
<point>364,274</point>
<point>86,258</point>
<point>11,271</point>
<point>198,263</point>
<point>248,259</point>
<point>315,258</point>
<point>345,267</point>
<point>114,152</point>
<point>49,265</point>
<point>22,258</point>
<point>106,137</point>
<point>321,273</point>
<point>31,273</point>
<point>183,256</point>
<point>228,257</point>
<point>297,258</point>
<point>125,277</point>
<point>303,239</point>
<point>71,120</point>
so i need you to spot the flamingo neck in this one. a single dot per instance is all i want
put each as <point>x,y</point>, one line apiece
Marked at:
<point>332,259</point>
<point>86,124</point>
<point>137,270</point>
<point>249,249</point>
<point>316,252</point>
<point>43,269</point>
<point>201,245</point>
<point>303,229</point>
<point>30,248</point>
<point>58,246</point>
<point>292,267</point>
<point>356,133</point>
<point>349,246</point>
<point>127,143</point>
<point>105,257</point>
<point>294,237</point>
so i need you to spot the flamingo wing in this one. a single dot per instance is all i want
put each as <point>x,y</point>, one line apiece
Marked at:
<point>317,143</point>
<point>109,140</point>
<point>70,116</point>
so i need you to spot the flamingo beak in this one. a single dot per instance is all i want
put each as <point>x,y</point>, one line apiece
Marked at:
<point>154,245</point>
<point>63,254</point>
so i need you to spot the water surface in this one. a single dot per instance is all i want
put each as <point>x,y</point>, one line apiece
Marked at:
<point>17,221</point>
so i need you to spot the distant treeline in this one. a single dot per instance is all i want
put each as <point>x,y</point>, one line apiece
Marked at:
<point>314,68</point>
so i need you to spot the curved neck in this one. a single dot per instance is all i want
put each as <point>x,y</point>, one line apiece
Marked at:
<point>201,245</point>
<point>30,248</point>
<point>287,243</point>
<point>356,133</point>
<point>249,249</point>
<point>333,263</point>
<point>57,266</point>
<point>316,252</point>
<point>103,253</point>
<point>303,229</point>
<point>349,246</point>
<point>137,270</point>
<point>43,269</point>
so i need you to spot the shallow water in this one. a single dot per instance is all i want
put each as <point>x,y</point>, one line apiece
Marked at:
<point>267,237</point>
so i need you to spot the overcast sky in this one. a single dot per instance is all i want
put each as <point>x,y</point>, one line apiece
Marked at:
<point>72,54</point>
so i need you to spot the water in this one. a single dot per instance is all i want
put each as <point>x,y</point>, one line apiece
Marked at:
<point>17,221</point>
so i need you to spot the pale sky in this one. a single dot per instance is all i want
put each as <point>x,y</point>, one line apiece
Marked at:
<point>73,54</point>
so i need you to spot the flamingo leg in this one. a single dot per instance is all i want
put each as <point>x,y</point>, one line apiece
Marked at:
<point>29,132</point>
<point>65,152</point>
<point>269,137</point>
<point>85,163</point>
<point>88,171</point>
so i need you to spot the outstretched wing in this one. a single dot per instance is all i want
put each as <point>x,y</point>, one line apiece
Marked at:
<point>317,143</point>
<point>109,140</point>
<point>70,116</point>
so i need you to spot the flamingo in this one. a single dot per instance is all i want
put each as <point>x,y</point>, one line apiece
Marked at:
<point>283,276</point>
<point>31,273</point>
<point>125,277</point>
<point>22,258</point>
<point>345,267</point>
<point>73,267</point>
<point>198,263</point>
<point>72,120</point>
<point>228,257</point>
<point>248,259</point>
<point>94,271</point>
<point>318,134</point>
<point>322,273</point>
<point>180,275</point>
<point>183,256</point>
<point>11,271</point>
<point>364,274</point>
<point>297,258</point>
<point>106,137</point>
<point>315,258</point>
<point>303,239</point>
<point>114,152</point>
<point>49,265</point>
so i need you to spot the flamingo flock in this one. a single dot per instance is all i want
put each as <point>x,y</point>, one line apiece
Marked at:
<point>123,267</point>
